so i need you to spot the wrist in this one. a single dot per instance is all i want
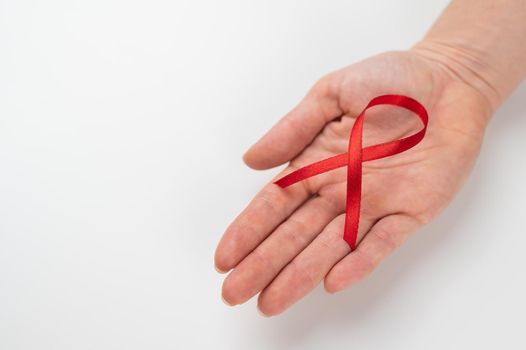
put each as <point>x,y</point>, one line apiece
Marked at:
<point>468,67</point>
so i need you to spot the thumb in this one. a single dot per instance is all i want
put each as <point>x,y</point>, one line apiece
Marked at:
<point>296,129</point>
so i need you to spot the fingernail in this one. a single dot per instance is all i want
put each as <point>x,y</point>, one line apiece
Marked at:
<point>219,270</point>
<point>262,313</point>
<point>226,302</point>
<point>245,157</point>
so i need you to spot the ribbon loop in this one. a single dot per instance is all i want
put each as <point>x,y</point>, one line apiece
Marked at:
<point>356,155</point>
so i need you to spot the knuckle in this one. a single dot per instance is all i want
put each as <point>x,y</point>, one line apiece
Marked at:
<point>385,237</point>
<point>270,200</point>
<point>330,239</point>
<point>365,263</point>
<point>238,238</point>
<point>293,233</point>
<point>264,259</point>
<point>303,274</point>
<point>329,203</point>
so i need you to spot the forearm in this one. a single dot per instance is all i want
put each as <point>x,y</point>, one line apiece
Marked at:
<point>482,42</point>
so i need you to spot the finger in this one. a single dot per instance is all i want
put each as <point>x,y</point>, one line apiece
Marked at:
<point>260,267</point>
<point>297,129</point>
<point>384,237</point>
<point>263,214</point>
<point>308,269</point>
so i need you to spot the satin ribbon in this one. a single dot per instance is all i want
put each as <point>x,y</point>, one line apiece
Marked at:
<point>356,155</point>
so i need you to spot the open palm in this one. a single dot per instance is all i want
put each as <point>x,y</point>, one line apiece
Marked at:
<point>288,240</point>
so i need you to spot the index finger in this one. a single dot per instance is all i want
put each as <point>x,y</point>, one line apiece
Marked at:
<point>298,128</point>
<point>269,208</point>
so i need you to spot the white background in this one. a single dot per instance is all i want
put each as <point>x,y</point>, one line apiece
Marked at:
<point>122,125</point>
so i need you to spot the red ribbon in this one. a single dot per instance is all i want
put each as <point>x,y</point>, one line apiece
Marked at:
<point>356,155</point>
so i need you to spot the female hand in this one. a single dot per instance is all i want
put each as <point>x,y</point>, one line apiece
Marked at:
<point>288,240</point>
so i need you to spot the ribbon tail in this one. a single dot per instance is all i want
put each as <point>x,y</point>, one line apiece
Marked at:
<point>354,184</point>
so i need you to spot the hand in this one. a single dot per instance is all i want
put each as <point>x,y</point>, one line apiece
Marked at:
<point>288,240</point>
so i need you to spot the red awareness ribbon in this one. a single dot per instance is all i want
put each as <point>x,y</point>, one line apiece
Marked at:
<point>356,155</point>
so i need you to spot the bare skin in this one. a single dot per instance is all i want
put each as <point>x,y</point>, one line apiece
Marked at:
<point>289,240</point>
